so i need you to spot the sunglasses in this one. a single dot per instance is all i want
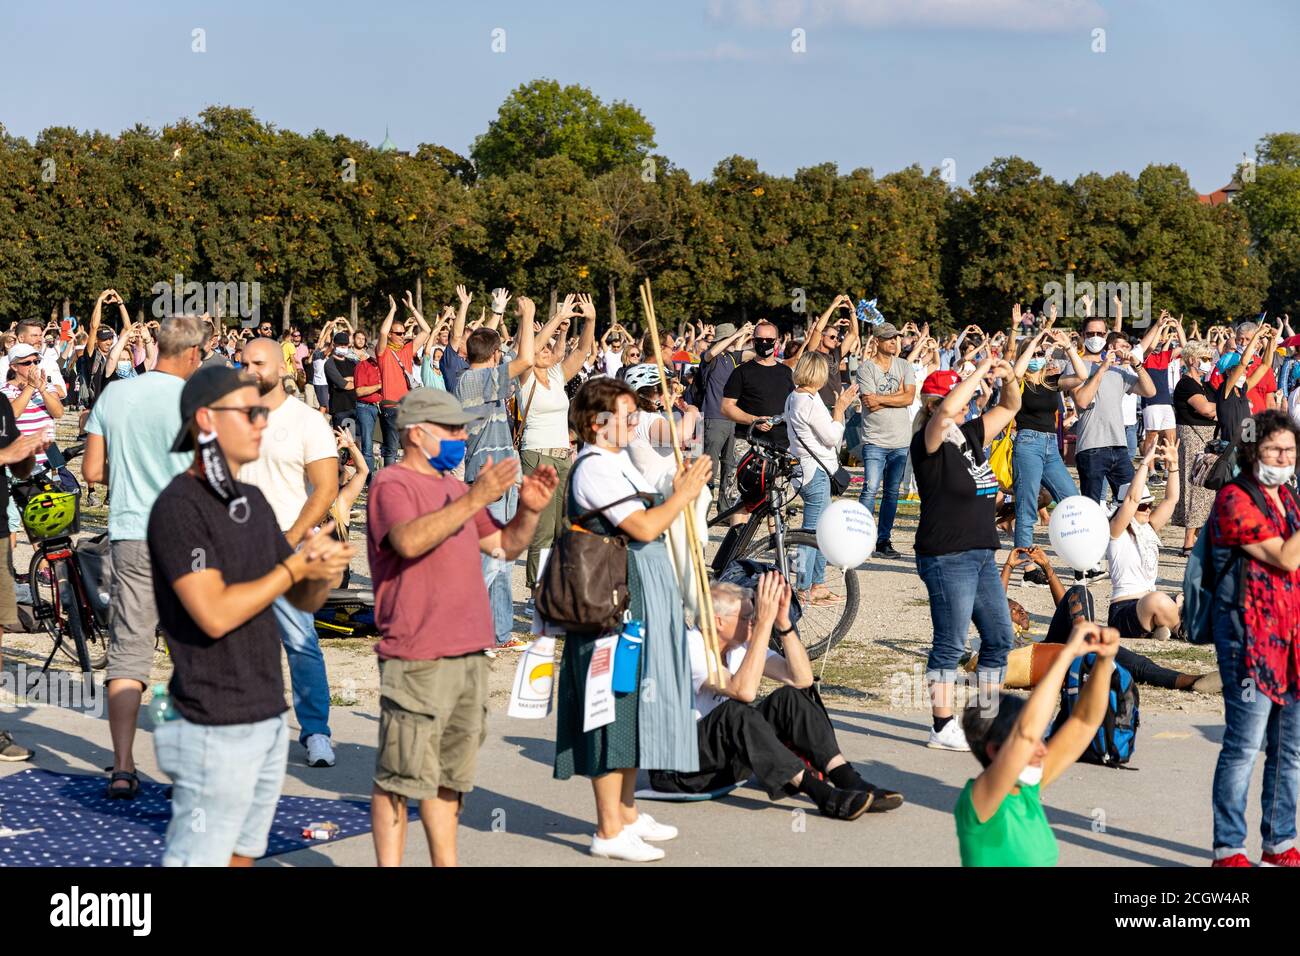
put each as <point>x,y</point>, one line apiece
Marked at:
<point>1144,507</point>
<point>765,341</point>
<point>254,413</point>
<point>23,363</point>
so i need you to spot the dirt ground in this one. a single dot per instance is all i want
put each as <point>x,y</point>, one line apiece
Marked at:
<point>879,665</point>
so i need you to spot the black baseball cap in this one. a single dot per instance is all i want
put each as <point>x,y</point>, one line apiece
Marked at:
<point>342,338</point>
<point>205,387</point>
<point>104,333</point>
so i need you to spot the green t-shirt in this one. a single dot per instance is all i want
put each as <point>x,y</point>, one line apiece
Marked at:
<point>1017,835</point>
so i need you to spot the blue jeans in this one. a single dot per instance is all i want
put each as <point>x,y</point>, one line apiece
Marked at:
<point>311,687</point>
<point>1099,467</point>
<point>879,464</point>
<point>367,418</point>
<point>498,572</point>
<point>388,426</point>
<point>1131,436</point>
<point>1251,719</point>
<point>225,784</point>
<point>816,495</point>
<point>965,586</point>
<point>1035,463</point>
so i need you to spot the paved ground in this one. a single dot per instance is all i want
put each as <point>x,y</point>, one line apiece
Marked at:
<point>1158,814</point>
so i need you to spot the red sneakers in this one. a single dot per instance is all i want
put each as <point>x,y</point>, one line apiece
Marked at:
<point>1237,859</point>
<point>1290,858</point>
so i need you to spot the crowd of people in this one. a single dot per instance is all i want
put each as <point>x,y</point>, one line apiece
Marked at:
<point>232,460</point>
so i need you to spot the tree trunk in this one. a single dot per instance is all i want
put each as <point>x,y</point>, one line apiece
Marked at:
<point>613,302</point>
<point>551,312</point>
<point>67,307</point>
<point>139,314</point>
<point>744,314</point>
<point>352,308</point>
<point>419,294</point>
<point>288,310</point>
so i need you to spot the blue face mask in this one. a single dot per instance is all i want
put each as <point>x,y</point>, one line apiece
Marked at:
<point>1036,364</point>
<point>450,454</point>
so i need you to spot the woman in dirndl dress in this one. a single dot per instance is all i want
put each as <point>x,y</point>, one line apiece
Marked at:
<point>653,726</point>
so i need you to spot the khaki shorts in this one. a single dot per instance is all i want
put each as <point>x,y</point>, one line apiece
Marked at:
<point>132,633</point>
<point>432,721</point>
<point>8,607</point>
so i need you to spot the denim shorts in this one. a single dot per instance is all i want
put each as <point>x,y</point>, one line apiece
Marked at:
<point>226,782</point>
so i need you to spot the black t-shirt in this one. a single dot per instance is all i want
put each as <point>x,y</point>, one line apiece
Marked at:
<point>831,390</point>
<point>8,432</point>
<point>761,390</point>
<point>235,679</point>
<point>1039,405</point>
<point>958,490</point>
<point>342,398</point>
<point>1187,389</point>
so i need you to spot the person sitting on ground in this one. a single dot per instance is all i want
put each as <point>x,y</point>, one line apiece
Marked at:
<point>1137,609</point>
<point>999,815</point>
<point>786,739</point>
<point>1074,605</point>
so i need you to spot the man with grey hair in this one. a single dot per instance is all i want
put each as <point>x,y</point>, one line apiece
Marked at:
<point>786,740</point>
<point>132,426</point>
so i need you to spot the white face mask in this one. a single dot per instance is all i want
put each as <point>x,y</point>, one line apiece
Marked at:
<point>1270,476</point>
<point>1094,343</point>
<point>1030,776</point>
<point>1206,367</point>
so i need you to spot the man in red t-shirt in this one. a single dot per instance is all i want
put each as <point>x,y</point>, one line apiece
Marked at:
<point>1263,395</point>
<point>395,353</point>
<point>366,380</point>
<point>424,534</point>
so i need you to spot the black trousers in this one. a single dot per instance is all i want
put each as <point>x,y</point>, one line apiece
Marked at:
<point>1077,605</point>
<point>739,741</point>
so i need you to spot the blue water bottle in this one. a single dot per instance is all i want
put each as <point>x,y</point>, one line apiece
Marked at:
<point>160,707</point>
<point>627,657</point>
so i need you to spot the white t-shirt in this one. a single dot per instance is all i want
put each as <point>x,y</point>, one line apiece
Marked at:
<point>612,362</point>
<point>652,459</point>
<point>295,436</point>
<point>547,424</point>
<point>813,433</point>
<point>705,699</point>
<point>1134,565</point>
<point>605,477</point>
<point>1129,407</point>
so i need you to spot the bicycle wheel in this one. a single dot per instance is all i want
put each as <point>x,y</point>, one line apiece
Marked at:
<point>55,607</point>
<point>822,626</point>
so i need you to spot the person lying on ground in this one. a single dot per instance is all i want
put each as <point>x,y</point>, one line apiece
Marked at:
<point>784,740</point>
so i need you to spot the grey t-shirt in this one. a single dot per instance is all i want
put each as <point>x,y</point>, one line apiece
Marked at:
<point>1101,425</point>
<point>886,427</point>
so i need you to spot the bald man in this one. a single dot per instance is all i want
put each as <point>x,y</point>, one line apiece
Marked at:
<point>297,471</point>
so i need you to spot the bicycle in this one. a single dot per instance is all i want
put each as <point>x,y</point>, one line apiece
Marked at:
<point>61,599</point>
<point>820,626</point>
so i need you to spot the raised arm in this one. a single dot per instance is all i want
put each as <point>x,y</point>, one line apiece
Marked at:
<point>572,363</point>
<point>419,340</point>
<point>384,326</point>
<point>524,358</point>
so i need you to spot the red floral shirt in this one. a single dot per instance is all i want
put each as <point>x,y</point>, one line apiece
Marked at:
<point>1270,596</point>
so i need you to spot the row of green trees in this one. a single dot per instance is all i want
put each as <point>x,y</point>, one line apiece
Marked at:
<point>564,192</point>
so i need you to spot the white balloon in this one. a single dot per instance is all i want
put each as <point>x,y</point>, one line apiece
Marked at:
<point>1079,531</point>
<point>846,533</point>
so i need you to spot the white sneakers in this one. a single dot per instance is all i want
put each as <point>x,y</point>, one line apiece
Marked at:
<point>631,845</point>
<point>950,738</point>
<point>320,752</point>
<point>651,830</point>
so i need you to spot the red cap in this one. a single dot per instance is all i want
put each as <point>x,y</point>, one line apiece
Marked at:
<point>1290,343</point>
<point>939,383</point>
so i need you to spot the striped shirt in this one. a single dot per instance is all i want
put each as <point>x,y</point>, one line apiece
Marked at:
<point>34,420</point>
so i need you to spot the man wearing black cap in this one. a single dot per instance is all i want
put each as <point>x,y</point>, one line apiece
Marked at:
<point>425,532</point>
<point>219,562</point>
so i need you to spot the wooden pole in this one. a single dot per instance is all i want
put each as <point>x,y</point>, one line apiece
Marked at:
<point>708,629</point>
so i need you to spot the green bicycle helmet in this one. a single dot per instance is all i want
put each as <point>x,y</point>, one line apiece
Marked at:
<point>50,513</point>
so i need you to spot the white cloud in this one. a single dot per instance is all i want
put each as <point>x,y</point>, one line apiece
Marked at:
<point>1028,16</point>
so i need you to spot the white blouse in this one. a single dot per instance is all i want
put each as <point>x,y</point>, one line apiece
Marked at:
<point>813,433</point>
<point>607,476</point>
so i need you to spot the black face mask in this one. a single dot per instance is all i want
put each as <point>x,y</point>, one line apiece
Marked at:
<point>764,347</point>
<point>212,465</point>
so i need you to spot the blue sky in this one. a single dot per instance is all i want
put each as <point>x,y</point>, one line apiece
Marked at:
<point>882,84</point>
